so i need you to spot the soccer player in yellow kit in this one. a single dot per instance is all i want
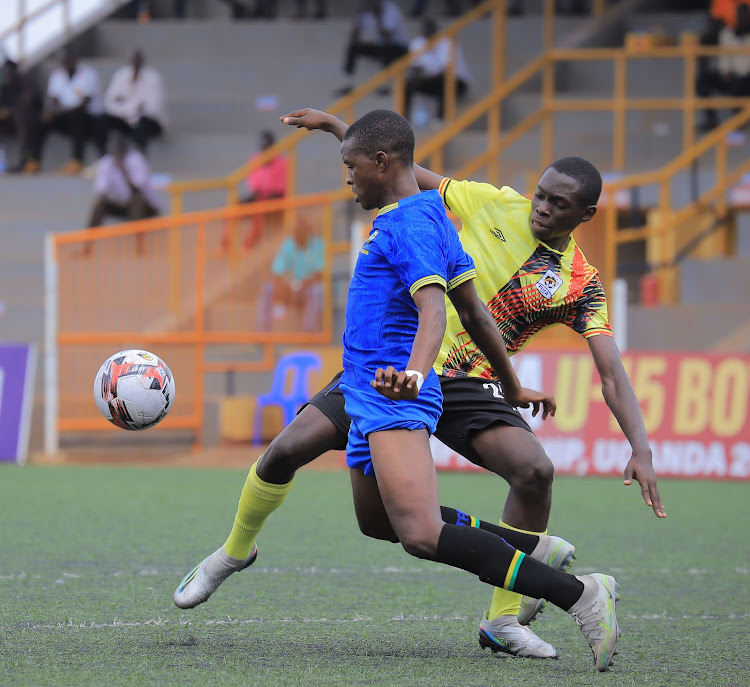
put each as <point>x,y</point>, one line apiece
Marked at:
<point>531,274</point>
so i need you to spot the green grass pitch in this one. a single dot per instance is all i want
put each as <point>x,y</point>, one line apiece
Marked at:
<point>90,556</point>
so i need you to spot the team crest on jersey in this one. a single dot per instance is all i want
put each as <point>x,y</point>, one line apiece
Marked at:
<point>497,234</point>
<point>548,284</point>
<point>364,250</point>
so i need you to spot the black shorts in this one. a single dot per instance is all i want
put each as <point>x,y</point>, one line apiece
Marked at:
<point>470,405</point>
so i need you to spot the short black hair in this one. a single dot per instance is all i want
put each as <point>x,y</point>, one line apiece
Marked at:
<point>587,176</point>
<point>384,130</point>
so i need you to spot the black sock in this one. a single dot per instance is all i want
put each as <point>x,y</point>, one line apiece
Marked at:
<point>518,540</point>
<point>494,561</point>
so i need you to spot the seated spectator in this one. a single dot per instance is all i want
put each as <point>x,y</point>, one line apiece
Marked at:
<point>296,288</point>
<point>72,107</point>
<point>134,102</point>
<point>122,186</point>
<point>269,180</point>
<point>427,73</point>
<point>379,32</point>
<point>732,75</point>
<point>263,183</point>
<point>19,100</point>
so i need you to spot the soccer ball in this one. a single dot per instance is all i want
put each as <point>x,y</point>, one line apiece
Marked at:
<point>134,389</point>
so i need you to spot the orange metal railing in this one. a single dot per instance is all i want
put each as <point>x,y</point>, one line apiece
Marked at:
<point>193,287</point>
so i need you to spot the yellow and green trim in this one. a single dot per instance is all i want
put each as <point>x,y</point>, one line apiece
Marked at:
<point>515,564</point>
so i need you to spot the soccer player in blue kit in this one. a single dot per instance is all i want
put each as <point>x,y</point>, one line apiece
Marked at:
<point>395,321</point>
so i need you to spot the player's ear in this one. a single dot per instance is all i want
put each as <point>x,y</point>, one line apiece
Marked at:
<point>381,160</point>
<point>588,213</point>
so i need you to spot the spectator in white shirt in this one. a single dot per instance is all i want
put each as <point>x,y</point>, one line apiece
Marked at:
<point>378,31</point>
<point>72,107</point>
<point>122,185</point>
<point>134,102</point>
<point>427,73</point>
<point>732,77</point>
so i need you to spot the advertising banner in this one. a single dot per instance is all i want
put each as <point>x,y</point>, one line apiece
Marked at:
<point>17,368</point>
<point>695,408</point>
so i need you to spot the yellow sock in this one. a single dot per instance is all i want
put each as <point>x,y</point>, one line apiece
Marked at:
<point>503,601</point>
<point>258,500</point>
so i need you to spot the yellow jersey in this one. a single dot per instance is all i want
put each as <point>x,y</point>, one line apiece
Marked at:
<point>526,284</point>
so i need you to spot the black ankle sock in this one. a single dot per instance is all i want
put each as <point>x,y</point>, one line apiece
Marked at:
<point>493,560</point>
<point>518,540</point>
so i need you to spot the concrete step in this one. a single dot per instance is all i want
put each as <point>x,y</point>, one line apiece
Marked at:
<point>704,282</point>
<point>697,327</point>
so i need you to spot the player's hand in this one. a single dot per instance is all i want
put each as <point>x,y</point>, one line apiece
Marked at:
<point>641,469</point>
<point>536,399</point>
<point>308,119</point>
<point>398,386</point>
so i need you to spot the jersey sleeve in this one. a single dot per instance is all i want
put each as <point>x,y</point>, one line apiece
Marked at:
<point>465,198</point>
<point>591,318</point>
<point>419,255</point>
<point>463,268</point>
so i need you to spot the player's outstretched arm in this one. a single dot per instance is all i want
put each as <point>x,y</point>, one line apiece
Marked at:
<point>430,302</point>
<point>311,119</point>
<point>480,326</point>
<point>620,397</point>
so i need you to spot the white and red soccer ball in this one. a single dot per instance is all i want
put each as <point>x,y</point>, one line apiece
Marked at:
<point>134,389</point>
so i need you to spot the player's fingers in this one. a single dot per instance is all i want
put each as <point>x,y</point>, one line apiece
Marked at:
<point>552,403</point>
<point>390,375</point>
<point>545,411</point>
<point>656,503</point>
<point>534,408</point>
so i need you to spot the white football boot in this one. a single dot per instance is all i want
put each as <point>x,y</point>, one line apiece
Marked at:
<point>504,633</point>
<point>595,614</point>
<point>204,579</point>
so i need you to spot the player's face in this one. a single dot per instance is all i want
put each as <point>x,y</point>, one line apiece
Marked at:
<point>556,208</point>
<point>363,175</point>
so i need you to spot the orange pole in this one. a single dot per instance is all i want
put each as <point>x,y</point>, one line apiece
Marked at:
<point>200,310</point>
<point>688,116</point>
<point>618,154</point>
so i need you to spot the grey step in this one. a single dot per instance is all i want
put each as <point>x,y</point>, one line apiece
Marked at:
<point>700,285</point>
<point>684,327</point>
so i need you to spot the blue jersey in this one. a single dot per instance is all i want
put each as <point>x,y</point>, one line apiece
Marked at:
<point>412,243</point>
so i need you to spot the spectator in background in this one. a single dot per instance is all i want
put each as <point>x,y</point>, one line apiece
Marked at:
<point>122,186</point>
<point>427,72</point>
<point>268,180</point>
<point>379,32</point>
<point>732,74</point>
<point>19,100</point>
<point>296,286</point>
<point>72,107</point>
<point>134,102</point>
<point>263,183</point>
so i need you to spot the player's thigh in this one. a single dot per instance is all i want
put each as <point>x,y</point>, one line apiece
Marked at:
<point>372,516</point>
<point>481,425</point>
<point>408,486</point>
<point>513,453</point>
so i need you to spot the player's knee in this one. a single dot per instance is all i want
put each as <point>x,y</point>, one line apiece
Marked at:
<point>418,544</point>
<point>536,475</point>
<point>377,530</point>
<point>284,452</point>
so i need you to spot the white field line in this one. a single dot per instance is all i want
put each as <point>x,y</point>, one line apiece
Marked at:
<point>357,618</point>
<point>315,570</point>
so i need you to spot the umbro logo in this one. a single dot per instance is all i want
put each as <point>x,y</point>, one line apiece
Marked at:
<point>497,234</point>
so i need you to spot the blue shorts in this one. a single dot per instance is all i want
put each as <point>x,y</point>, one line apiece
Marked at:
<point>371,412</point>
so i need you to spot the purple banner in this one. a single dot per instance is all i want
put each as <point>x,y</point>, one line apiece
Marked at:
<point>17,367</point>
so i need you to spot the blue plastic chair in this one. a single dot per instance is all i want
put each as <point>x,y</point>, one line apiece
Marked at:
<point>296,368</point>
